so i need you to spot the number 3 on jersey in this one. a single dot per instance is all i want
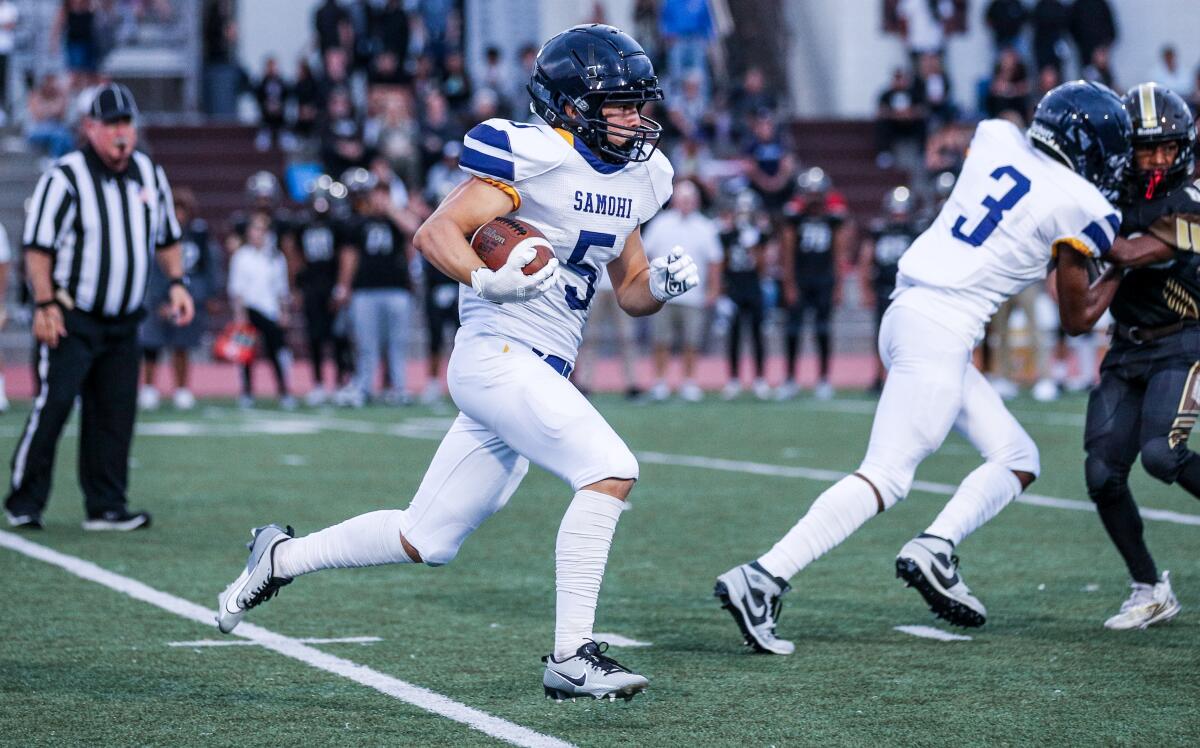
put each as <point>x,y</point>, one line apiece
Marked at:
<point>996,207</point>
<point>589,273</point>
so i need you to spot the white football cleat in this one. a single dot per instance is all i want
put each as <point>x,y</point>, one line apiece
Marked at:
<point>1147,605</point>
<point>257,583</point>
<point>316,397</point>
<point>788,390</point>
<point>691,392</point>
<point>148,398</point>
<point>183,399</point>
<point>590,672</point>
<point>731,390</point>
<point>926,564</point>
<point>762,390</point>
<point>1045,391</point>
<point>751,595</point>
<point>823,390</point>
<point>660,392</point>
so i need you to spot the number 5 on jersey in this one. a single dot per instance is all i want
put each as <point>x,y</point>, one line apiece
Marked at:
<point>589,273</point>
<point>996,207</point>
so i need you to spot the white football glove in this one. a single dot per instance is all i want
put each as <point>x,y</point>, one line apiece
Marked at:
<point>509,283</point>
<point>673,275</point>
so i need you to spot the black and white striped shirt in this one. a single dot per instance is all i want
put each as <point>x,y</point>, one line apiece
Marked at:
<point>102,228</point>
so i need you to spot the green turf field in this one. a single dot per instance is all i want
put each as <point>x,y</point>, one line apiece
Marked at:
<point>82,664</point>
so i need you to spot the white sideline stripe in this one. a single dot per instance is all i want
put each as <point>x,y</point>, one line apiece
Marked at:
<point>944,489</point>
<point>248,643</point>
<point>929,632</point>
<point>617,640</point>
<point>422,698</point>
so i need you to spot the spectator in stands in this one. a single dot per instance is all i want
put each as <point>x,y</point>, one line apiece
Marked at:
<point>768,162</point>
<point>1051,25</point>
<point>75,27</point>
<point>158,332</point>
<point>1007,19</point>
<point>933,88</point>
<point>258,293</point>
<point>342,145</point>
<point>899,122</point>
<point>395,135</point>
<point>693,159</point>
<point>1092,26</point>
<point>6,257</point>
<point>9,16</point>
<point>1099,67</point>
<point>687,30</point>
<point>497,77</point>
<point>271,93</point>
<point>378,235</point>
<point>923,26</point>
<point>745,231</point>
<point>333,27</point>
<point>681,321</point>
<point>689,110</point>
<point>46,118</point>
<point>223,77</point>
<point>1009,87</point>
<point>456,85</point>
<point>1048,79</point>
<point>307,97</point>
<point>1169,73</point>
<point>437,128</point>
<point>441,291</point>
<point>516,93</point>
<point>390,29</point>
<point>751,97</point>
<point>1193,98</point>
<point>335,76</point>
<point>645,27</point>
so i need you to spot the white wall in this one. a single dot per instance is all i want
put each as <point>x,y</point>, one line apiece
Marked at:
<point>840,60</point>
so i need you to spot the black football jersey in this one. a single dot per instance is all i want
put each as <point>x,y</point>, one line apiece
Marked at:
<point>739,243</point>
<point>892,239</point>
<point>381,248</point>
<point>814,246</point>
<point>1161,295</point>
<point>317,242</point>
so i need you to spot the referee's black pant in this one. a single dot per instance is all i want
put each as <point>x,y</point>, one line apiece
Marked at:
<point>98,362</point>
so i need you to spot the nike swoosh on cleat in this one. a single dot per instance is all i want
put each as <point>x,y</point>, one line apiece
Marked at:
<point>577,681</point>
<point>756,617</point>
<point>946,581</point>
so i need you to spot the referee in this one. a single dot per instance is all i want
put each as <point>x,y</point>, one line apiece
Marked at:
<point>98,218</point>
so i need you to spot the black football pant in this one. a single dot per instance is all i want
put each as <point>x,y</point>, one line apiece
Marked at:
<point>1146,403</point>
<point>748,311</point>
<point>817,299</point>
<point>98,362</point>
<point>272,337</point>
<point>319,329</point>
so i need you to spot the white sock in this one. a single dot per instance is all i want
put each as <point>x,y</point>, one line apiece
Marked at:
<point>371,539</point>
<point>981,496</point>
<point>834,516</point>
<point>580,554</point>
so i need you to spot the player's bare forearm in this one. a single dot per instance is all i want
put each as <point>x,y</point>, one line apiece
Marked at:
<point>442,237</point>
<point>630,275</point>
<point>1139,252</point>
<point>635,297</point>
<point>1080,302</point>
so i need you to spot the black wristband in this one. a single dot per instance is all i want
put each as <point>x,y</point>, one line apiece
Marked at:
<point>180,281</point>
<point>47,303</point>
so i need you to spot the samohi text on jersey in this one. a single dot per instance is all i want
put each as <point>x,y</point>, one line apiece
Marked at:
<point>605,205</point>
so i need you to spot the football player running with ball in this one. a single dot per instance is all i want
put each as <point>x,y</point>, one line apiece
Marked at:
<point>588,176</point>
<point>1023,200</point>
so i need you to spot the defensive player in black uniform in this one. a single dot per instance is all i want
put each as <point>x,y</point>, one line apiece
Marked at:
<point>1147,399</point>
<point>323,277</point>
<point>817,239</point>
<point>888,237</point>
<point>744,235</point>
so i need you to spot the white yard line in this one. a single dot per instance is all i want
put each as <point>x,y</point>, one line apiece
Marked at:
<point>617,640</point>
<point>248,643</point>
<point>422,698</point>
<point>929,632</point>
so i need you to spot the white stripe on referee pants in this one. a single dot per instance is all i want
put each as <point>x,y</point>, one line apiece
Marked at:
<point>43,370</point>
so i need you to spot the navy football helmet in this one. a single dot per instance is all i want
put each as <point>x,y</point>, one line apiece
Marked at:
<point>1085,126</point>
<point>1161,116</point>
<point>588,67</point>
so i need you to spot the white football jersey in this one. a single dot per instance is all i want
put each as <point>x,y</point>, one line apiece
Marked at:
<point>1011,210</point>
<point>586,207</point>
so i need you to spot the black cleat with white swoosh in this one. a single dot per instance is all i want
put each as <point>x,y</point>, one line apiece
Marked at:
<point>592,673</point>
<point>927,564</point>
<point>751,595</point>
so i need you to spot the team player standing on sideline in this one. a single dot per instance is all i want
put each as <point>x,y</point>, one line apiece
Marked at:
<point>519,336</point>
<point>1022,201</point>
<point>98,217</point>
